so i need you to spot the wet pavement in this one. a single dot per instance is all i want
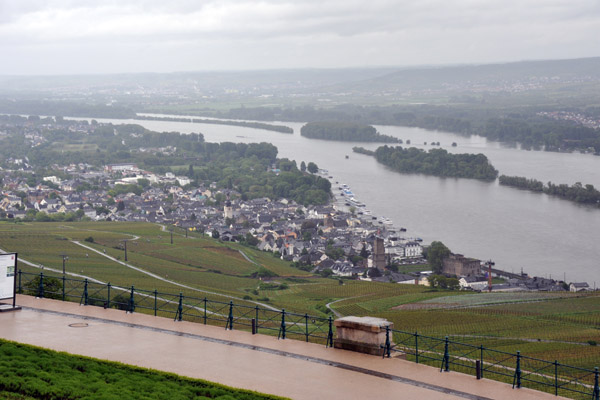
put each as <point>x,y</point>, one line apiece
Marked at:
<point>288,368</point>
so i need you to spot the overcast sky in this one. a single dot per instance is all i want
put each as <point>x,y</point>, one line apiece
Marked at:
<point>81,36</point>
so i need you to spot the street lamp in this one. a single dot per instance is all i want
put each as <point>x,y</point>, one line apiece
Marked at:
<point>65,258</point>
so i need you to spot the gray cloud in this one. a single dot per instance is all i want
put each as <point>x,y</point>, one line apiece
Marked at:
<point>64,36</point>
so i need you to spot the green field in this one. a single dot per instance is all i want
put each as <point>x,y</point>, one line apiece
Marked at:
<point>549,326</point>
<point>30,372</point>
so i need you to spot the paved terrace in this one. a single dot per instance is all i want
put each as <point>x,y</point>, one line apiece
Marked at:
<point>287,368</point>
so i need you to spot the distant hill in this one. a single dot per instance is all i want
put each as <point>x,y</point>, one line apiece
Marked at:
<point>487,76</point>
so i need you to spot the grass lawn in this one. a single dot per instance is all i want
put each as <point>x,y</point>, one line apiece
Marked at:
<point>30,372</point>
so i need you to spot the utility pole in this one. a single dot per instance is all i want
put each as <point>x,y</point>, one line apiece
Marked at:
<point>64,258</point>
<point>125,244</point>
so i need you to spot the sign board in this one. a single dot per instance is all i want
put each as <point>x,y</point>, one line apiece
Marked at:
<point>8,264</point>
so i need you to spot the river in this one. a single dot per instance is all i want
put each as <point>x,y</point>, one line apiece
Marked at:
<point>543,235</point>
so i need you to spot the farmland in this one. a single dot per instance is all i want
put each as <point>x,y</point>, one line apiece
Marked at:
<point>550,326</point>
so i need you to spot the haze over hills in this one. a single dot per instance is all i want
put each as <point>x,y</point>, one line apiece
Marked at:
<point>573,77</point>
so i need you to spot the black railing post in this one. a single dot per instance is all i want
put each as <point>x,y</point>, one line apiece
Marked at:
<point>229,324</point>
<point>481,359</point>
<point>41,286</point>
<point>205,310</point>
<point>282,327</point>
<point>446,360</point>
<point>256,317</point>
<point>108,295</point>
<point>306,326</point>
<point>386,349</point>
<point>416,347</point>
<point>517,377</point>
<point>20,287</point>
<point>131,300</point>
<point>556,377</point>
<point>179,313</point>
<point>85,292</point>
<point>63,288</point>
<point>330,333</point>
<point>596,395</point>
<point>155,302</point>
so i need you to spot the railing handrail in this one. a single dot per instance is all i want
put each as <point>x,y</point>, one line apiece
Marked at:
<point>275,321</point>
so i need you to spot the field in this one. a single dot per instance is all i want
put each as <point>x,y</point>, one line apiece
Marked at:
<point>561,326</point>
<point>30,372</point>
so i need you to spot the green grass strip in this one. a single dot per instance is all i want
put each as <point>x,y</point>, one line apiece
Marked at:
<point>33,372</point>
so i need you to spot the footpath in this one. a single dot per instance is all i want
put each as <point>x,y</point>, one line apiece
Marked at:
<point>288,368</point>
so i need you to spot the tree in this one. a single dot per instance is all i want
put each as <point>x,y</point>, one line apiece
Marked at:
<point>215,234</point>
<point>120,205</point>
<point>251,240</point>
<point>303,166</point>
<point>435,255</point>
<point>312,168</point>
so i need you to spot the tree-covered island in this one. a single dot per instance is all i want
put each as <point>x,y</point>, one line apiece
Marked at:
<point>436,162</point>
<point>344,131</point>
<point>578,193</point>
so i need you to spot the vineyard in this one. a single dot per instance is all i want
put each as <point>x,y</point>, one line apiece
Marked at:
<point>549,326</point>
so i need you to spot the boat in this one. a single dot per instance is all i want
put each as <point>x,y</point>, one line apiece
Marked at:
<point>347,157</point>
<point>402,229</point>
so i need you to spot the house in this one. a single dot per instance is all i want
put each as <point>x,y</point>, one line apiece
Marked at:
<point>459,265</point>
<point>578,286</point>
<point>476,283</point>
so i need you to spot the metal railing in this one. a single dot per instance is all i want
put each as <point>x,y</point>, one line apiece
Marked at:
<point>257,319</point>
<point>512,368</point>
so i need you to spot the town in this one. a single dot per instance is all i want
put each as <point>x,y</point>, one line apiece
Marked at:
<point>339,239</point>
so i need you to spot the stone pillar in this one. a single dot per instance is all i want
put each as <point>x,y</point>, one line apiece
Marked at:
<point>361,334</point>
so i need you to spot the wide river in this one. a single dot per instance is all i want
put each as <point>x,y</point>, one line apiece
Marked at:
<point>516,229</point>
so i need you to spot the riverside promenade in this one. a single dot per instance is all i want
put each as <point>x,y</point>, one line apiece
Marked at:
<point>288,368</point>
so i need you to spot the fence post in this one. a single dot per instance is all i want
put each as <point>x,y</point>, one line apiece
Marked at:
<point>556,377</point>
<point>205,311</point>
<point>517,377</point>
<point>155,301</point>
<point>131,301</point>
<point>63,288</point>
<point>481,359</point>
<point>386,349</point>
<point>446,360</point>
<point>330,334</point>
<point>282,327</point>
<point>416,347</point>
<point>108,300</point>
<point>179,313</point>
<point>596,395</point>
<point>41,286</point>
<point>229,323</point>
<point>85,292</point>
<point>306,325</point>
<point>256,330</point>
<point>20,287</point>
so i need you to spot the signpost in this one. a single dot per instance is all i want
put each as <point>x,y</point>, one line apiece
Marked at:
<point>8,280</point>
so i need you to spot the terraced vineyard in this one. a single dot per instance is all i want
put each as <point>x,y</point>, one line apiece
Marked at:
<point>550,326</point>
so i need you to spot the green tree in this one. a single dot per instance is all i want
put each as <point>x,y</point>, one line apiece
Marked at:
<point>303,166</point>
<point>435,255</point>
<point>312,168</point>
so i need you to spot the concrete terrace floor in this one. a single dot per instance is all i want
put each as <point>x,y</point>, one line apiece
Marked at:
<point>288,368</point>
